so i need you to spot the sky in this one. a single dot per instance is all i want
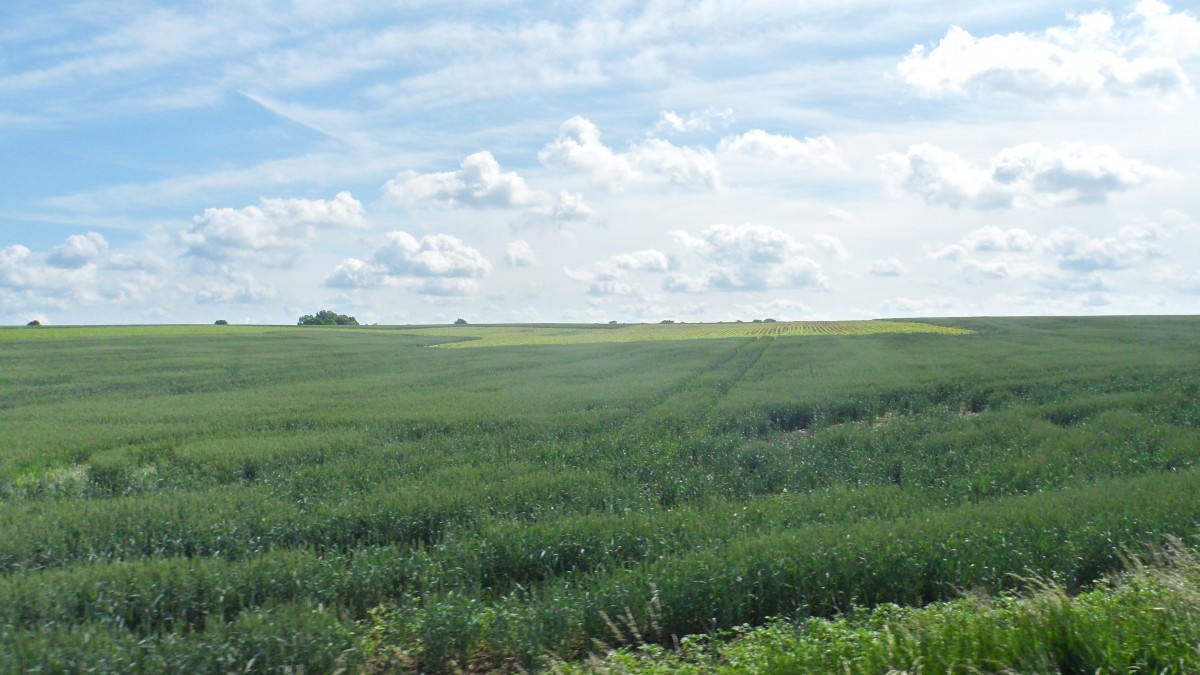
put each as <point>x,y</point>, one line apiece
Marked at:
<point>412,161</point>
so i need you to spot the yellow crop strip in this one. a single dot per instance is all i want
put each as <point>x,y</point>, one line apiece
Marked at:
<point>504,336</point>
<point>68,332</point>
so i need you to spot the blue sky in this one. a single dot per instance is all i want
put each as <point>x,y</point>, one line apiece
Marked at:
<point>417,162</point>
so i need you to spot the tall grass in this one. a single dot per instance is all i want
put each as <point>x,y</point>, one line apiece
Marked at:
<point>1145,619</point>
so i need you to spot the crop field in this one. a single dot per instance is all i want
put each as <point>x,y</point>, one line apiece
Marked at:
<point>495,336</point>
<point>292,499</point>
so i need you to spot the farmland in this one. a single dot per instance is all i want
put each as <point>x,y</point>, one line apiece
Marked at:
<point>512,335</point>
<point>218,499</point>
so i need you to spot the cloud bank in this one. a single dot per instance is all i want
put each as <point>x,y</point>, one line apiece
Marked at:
<point>1030,174</point>
<point>1139,54</point>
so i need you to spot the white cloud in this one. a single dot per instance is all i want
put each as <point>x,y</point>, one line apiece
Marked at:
<point>988,239</point>
<point>436,255</point>
<point>976,270</point>
<point>1030,174</point>
<point>704,120</point>
<point>746,258</point>
<point>275,232</point>
<point>812,152</point>
<point>1064,262</point>
<point>611,275</point>
<point>143,261</point>
<point>437,264</point>
<point>480,184</point>
<point>887,267</point>
<point>237,287</point>
<point>1134,245</point>
<point>832,246</point>
<point>648,260</point>
<point>953,252</point>
<point>355,273</point>
<point>579,148</point>
<point>78,250</point>
<point>14,272</point>
<point>1165,32</point>
<point>1139,55</point>
<point>995,239</point>
<point>26,279</point>
<point>841,216</point>
<point>519,254</point>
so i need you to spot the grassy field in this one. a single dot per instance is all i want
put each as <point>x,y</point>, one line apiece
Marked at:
<point>514,335</point>
<point>219,499</point>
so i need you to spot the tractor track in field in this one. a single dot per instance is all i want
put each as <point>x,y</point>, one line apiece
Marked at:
<point>716,381</point>
<point>723,388</point>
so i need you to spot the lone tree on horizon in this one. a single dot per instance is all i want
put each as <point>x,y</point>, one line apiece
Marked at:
<point>326,317</point>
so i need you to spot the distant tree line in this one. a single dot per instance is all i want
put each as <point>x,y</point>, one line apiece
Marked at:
<point>326,317</point>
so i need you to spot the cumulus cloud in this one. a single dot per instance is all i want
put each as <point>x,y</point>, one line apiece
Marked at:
<point>1065,260</point>
<point>26,277</point>
<point>648,260</point>
<point>745,258</point>
<point>14,269</point>
<point>355,273</point>
<point>436,255</point>
<point>988,240</point>
<point>1024,175</point>
<point>703,120</point>
<point>437,264</point>
<point>137,261</point>
<point>78,250</point>
<point>887,267</point>
<point>1134,245</point>
<point>237,287</point>
<point>479,183</point>
<point>980,270</point>
<point>519,254</point>
<point>611,275</point>
<point>580,148</point>
<point>275,232</point>
<point>1140,54</point>
<point>811,152</point>
<point>1007,254</point>
<point>832,246</point>
<point>995,239</point>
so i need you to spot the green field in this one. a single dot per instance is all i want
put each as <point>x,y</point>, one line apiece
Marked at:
<point>286,499</point>
<point>512,335</point>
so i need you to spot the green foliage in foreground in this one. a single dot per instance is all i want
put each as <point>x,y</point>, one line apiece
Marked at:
<point>223,499</point>
<point>1146,620</point>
